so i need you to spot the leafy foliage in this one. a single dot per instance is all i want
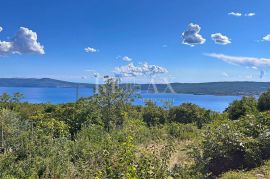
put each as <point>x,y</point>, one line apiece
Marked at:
<point>104,136</point>
<point>239,108</point>
<point>264,101</point>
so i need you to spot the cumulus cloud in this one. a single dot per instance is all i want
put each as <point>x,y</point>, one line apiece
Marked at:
<point>191,36</point>
<point>266,38</point>
<point>90,50</point>
<point>237,14</point>
<point>132,70</point>
<point>1,29</point>
<point>250,62</point>
<point>24,41</point>
<point>250,14</point>
<point>218,38</point>
<point>126,58</point>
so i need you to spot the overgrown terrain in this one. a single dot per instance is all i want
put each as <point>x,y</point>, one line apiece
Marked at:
<point>104,136</point>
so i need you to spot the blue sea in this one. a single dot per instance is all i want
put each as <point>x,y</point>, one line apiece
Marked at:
<point>64,95</point>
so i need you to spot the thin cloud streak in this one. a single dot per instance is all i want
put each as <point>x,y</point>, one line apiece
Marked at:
<point>250,62</point>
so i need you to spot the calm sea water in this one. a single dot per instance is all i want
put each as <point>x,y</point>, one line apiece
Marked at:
<point>64,95</point>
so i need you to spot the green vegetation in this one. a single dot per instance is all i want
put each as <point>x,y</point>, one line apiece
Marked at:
<point>104,136</point>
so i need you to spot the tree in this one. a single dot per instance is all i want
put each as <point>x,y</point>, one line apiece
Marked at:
<point>264,101</point>
<point>17,97</point>
<point>113,101</point>
<point>239,108</point>
<point>5,98</point>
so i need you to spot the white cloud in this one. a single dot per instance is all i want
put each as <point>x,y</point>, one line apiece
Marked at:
<point>250,62</point>
<point>250,14</point>
<point>191,36</point>
<point>266,38</point>
<point>238,60</point>
<point>1,29</point>
<point>24,41</point>
<point>127,59</point>
<point>132,70</point>
<point>220,39</point>
<point>237,14</point>
<point>90,50</point>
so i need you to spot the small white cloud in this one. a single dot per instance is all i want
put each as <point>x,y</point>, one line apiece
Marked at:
<point>90,50</point>
<point>191,36</point>
<point>25,41</point>
<point>250,14</point>
<point>266,38</point>
<point>1,29</point>
<point>126,59</point>
<point>254,68</point>
<point>237,14</point>
<point>218,38</point>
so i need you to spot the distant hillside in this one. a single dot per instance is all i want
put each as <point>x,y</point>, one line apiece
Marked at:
<point>213,88</point>
<point>44,82</point>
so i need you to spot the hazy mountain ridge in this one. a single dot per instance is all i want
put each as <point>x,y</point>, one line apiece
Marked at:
<point>42,83</point>
<point>209,88</point>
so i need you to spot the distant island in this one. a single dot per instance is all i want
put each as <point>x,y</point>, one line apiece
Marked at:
<point>241,88</point>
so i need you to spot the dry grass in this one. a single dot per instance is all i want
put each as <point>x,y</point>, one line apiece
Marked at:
<point>179,155</point>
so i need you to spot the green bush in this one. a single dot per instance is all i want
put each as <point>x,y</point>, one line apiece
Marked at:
<point>264,101</point>
<point>239,108</point>
<point>182,131</point>
<point>229,145</point>
<point>154,115</point>
<point>189,113</point>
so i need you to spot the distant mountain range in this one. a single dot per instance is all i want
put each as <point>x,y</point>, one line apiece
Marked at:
<point>213,88</point>
<point>40,83</point>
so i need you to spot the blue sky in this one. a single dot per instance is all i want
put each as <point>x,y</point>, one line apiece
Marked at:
<point>148,32</point>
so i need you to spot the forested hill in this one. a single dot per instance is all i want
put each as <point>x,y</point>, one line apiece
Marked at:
<point>44,82</point>
<point>213,88</point>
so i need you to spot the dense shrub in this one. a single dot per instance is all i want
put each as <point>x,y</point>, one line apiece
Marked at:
<point>238,108</point>
<point>229,145</point>
<point>264,101</point>
<point>189,113</point>
<point>114,156</point>
<point>182,131</point>
<point>154,115</point>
